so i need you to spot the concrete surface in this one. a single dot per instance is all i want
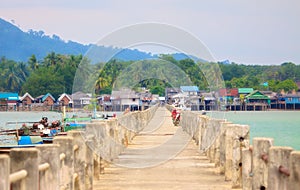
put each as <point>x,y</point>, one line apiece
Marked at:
<point>161,157</point>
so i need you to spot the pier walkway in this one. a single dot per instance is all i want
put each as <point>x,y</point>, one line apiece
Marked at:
<point>162,156</point>
<point>143,150</point>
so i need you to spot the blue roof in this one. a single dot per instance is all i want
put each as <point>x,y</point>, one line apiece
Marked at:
<point>44,97</point>
<point>9,96</point>
<point>189,88</point>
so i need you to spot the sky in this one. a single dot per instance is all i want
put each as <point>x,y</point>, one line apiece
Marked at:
<point>242,31</point>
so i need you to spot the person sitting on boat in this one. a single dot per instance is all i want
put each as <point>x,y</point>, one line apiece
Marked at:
<point>44,121</point>
<point>46,132</point>
<point>24,130</point>
<point>41,127</point>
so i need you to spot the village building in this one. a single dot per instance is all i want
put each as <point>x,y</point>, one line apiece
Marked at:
<point>27,99</point>
<point>147,99</point>
<point>190,90</point>
<point>242,92</point>
<point>208,101</point>
<point>48,100</point>
<point>169,93</point>
<point>8,101</point>
<point>256,100</point>
<point>104,101</point>
<point>81,99</point>
<point>125,98</point>
<point>65,100</point>
<point>292,101</point>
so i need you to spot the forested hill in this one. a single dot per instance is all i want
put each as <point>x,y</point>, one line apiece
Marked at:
<point>18,45</point>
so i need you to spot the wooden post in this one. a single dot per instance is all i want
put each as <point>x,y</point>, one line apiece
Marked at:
<point>278,156</point>
<point>66,154</point>
<point>260,168</point>
<point>294,179</point>
<point>25,159</point>
<point>4,172</point>
<point>49,179</point>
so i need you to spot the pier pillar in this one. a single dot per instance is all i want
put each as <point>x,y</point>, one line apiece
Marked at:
<point>278,158</point>
<point>237,138</point>
<point>89,169</point>
<point>247,168</point>
<point>79,158</point>
<point>260,159</point>
<point>66,154</point>
<point>4,172</point>
<point>229,133</point>
<point>294,179</point>
<point>96,160</point>
<point>211,153</point>
<point>220,148</point>
<point>223,147</point>
<point>25,159</point>
<point>49,177</point>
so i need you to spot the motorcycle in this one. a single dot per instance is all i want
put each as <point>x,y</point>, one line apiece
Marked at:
<point>176,119</point>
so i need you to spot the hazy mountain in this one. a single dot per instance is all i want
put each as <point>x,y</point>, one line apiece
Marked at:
<point>18,45</point>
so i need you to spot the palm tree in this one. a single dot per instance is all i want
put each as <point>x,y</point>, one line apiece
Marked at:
<point>23,71</point>
<point>13,80</point>
<point>50,59</point>
<point>33,63</point>
<point>101,83</point>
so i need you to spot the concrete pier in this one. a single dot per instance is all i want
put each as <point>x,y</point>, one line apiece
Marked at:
<point>144,150</point>
<point>294,179</point>
<point>278,177</point>
<point>152,161</point>
<point>260,154</point>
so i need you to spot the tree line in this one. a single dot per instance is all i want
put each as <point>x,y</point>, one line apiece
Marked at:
<point>55,73</point>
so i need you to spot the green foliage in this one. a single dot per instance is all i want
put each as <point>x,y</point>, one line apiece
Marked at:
<point>54,74</point>
<point>287,85</point>
<point>158,90</point>
<point>12,75</point>
<point>59,74</point>
<point>42,81</point>
<point>279,77</point>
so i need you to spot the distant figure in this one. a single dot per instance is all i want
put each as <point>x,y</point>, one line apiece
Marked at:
<point>127,110</point>
<point>174,112</point>
<point>175,117</point>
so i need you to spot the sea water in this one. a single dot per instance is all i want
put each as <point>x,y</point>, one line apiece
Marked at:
<point>14,120</point>
<point>282,126</point>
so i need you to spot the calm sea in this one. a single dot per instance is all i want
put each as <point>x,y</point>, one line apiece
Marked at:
<point>16,119</point>
<point>282,126</point>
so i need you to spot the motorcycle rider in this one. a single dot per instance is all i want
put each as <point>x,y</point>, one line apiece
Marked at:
<point>175,116</point>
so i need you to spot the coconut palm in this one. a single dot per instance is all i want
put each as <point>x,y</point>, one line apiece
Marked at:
<point>13,80</point>
<point>33,63</point>
<point>101,83</point>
